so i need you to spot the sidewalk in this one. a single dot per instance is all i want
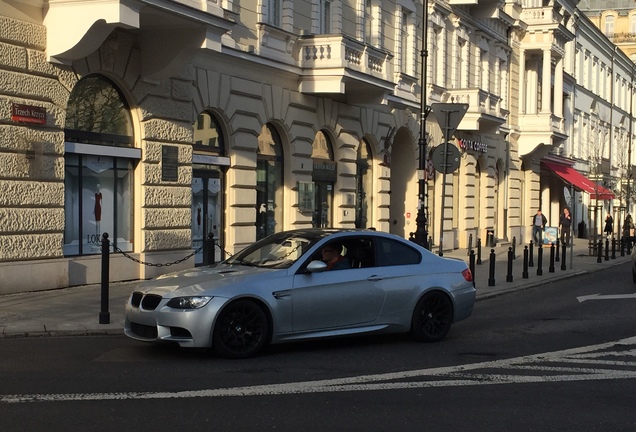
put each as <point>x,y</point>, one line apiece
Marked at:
<point>75,311</point>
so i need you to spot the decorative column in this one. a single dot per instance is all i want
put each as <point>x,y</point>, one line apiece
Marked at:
<point>546,85</point>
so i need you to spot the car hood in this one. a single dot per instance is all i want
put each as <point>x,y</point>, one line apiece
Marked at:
<point>203,280</point>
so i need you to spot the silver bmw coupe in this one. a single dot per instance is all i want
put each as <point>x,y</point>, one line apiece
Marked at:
<point>286,288</point>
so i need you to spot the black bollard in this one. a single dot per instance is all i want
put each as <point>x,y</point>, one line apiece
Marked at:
<point>479,251</point>
<point>613,248</point>
<point>470,244</point>
<point>556,254</point>
<point>599,258</point>
<point>471,265</point>
<point>551,266</point>
<point>606,249</point>
<point>525,275</point>
<point>208,250</point>
<point>514,247</point>
<point>563,257</point>
<point>539,261</point>
<point>510,258</point>
<point>491,273</point>
<point>104,315</point>
<point>531,262</point>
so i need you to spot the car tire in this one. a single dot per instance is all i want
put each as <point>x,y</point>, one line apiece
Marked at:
<point>242,330</point>
<point>432,317</point>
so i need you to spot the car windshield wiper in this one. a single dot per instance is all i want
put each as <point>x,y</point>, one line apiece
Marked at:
<point>245,263</point>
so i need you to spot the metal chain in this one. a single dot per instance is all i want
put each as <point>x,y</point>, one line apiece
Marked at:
<point>159,264</point>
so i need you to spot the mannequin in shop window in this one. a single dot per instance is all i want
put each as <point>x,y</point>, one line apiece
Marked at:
<point>97,211</point>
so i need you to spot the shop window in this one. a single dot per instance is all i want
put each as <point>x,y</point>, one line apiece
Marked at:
<point>98,178</point>
<point>324,178</point>
<point>269,183</point>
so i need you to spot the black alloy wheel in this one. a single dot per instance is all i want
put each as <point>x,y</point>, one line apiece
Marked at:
<point>432,317</point>
<point>242,330</point>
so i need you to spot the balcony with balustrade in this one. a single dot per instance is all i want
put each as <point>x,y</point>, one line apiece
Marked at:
<point>337,64</point>
<point>486,112</point>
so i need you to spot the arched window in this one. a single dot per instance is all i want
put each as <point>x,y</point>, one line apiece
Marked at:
<point>208,135</point>
<point>364,186</point>
<point>209,164</point>
<point>324,177</point>
<point>269,183</point>
<point>99,162</point>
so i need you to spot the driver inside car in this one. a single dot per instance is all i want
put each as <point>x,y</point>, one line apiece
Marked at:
<point>332,256</point>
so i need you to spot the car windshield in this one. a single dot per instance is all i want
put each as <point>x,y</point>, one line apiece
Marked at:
<point>276,251</point>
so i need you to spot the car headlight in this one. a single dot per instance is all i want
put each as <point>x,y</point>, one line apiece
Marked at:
<point>194,302</point>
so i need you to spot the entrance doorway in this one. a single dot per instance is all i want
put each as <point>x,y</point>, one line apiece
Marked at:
<point>322,216</point>
<point>207,211</point>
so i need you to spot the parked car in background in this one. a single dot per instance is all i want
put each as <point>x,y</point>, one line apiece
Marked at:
<point>279,290</point>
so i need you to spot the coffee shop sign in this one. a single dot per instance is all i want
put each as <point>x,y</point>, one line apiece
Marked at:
<point>472,145</point>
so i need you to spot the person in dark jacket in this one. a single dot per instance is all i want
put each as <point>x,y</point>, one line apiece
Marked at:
<point>609,224</point>
<point>565,223</point>
<point>332,256</point>
<point>538,224</point>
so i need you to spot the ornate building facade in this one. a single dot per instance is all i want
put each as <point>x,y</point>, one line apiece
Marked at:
<point>164,124</point>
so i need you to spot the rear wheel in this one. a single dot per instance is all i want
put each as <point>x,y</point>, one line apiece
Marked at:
<point>432,317</point>
<point>242,330</point>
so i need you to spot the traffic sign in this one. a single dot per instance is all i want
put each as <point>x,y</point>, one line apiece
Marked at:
<point>448,116</point>
<point>445,158</point>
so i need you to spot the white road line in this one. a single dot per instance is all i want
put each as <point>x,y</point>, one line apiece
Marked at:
<point>453,376</point>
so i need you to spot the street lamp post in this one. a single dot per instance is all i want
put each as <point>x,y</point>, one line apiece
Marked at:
<point>421,234</point>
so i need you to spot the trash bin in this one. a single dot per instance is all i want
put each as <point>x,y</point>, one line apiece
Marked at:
<point>490,238</point>
<point>582,230</point>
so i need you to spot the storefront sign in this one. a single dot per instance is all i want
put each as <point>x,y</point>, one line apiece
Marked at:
<point>28,114</point>
<point>169,163</point>
<point>472,145</point>
<point>324,170</point>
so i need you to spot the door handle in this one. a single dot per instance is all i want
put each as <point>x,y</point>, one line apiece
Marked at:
<point>375,278</point>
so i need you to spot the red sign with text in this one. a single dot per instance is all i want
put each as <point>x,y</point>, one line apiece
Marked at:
<point>28,114</point>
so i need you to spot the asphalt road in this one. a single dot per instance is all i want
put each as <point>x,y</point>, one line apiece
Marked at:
<point>550,358</point>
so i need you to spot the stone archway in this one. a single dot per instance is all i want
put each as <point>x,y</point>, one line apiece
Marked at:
<point>403,184</point>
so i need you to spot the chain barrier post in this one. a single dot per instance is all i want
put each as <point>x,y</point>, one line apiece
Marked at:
<point>525,275</point>
<point>478,251</point>
<point>563,258</point>
<point>491,274</point>
<point>514,247</point>
<point>531,259</point>
<point>613,248</point>
<point>104,315</point>
<point>607,249</point>
<point>471,265</point>
<point>599,257</point>
<point>470,244</point>
<point>539,261</point>
<point>557,255</point>
<point>510,258</point>
<point>551,266</point>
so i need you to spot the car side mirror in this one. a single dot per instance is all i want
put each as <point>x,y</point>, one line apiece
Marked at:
<point>316,266</point>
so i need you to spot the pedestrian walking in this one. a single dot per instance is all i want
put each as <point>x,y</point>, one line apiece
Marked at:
<point>538,224</point>
<point>628,226</point>
<point>609,224</point>
<point>565,223</point>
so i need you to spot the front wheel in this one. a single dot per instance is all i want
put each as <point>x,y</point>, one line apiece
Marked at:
<point>432,317</point>
<point>242,330</point>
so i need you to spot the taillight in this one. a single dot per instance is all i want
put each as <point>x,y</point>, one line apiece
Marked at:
<point>467,275</point>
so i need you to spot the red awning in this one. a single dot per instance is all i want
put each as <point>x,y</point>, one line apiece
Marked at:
<point>573,177</point>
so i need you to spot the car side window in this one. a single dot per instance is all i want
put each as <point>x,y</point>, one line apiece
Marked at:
<point>392,253</point>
